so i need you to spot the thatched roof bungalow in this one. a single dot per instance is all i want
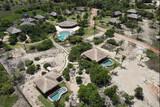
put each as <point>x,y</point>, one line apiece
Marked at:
<point>39,17</point>
<point>13,30</point>
<point>134,16</point>
<point>68,24</point>
<point>116,13</point>
<point>95,54</point>
<point>54,14</point>
<point>132,11</point>
<point>47,82</point>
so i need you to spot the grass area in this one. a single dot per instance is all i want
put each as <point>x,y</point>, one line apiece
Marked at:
<point>90,31</point>
<point>154,62</point>
<point>103,22</point>
<point>46,102</point>
<point>8,101</point>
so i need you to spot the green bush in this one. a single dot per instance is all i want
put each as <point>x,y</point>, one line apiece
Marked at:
<point>79,80</point>
<point>98,40</point>
<point>31,69</point>
<point>28,62</point>
<point>139,93</point>
<point>110,33</point>
<point>113,42</point>
<point>75,39</point>
<point>46,65</point>
<point>37,58</point>
<point>77,50</point>
<point>66,74</point>
<point>112,94</point>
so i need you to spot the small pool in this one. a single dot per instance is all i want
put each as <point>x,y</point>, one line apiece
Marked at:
<point>107,63</point>
<point>55,96</point>
<point>63,35</point>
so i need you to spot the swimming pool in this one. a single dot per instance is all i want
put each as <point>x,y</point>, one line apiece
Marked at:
<point>107,63</point>
<point>63,35</point>
<point>55,96</point>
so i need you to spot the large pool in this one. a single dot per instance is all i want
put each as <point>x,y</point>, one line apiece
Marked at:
<point>55,96</point>
<point>63,35</point>
<point>107,63</point>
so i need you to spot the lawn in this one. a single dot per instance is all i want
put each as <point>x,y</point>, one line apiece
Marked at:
<point>45,101</point>
<point>8,101</point>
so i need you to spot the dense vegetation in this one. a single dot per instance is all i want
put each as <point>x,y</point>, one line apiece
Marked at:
<point>99,75</point>
<point>6,85</point>
<point>89,96</point>
<point>77,50</point>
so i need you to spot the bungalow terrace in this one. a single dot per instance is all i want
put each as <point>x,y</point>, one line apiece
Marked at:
<point>95,54</point>
<point>13,30</point>
<point>48,83</point>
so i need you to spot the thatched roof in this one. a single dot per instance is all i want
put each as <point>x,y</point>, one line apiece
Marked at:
<point>47,82</point>
<point>68,23</point>
<point>95,54</point>
<point>133,16</point>
<point>39,17</point>
<point>132,11</point>
<point>53,14</point>
<point>68,12</point>
<point>117,13</point>
<point>27,23</point>
<point>80,8</point>
<point>13,30</point>
<point>28,19</point>
<point>114,21</point>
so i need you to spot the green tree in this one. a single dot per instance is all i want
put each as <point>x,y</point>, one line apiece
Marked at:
<point>139,93</point>
<point>89,96</point>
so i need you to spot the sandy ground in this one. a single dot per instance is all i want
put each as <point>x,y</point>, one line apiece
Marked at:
<point>135,75</point>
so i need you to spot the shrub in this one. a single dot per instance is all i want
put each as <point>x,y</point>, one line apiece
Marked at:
<point>37,58</point>
<point>98,40</point>
<point>79,80</point>
<point>66,74</point>
<point>46,65</point>
<point>75,39</point>
<point>31,69</point>
<point>28,62</point>
<point>139,93</point>
<point>110,33</point>
<point>113,42</point>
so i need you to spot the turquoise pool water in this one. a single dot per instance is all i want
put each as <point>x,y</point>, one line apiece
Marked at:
<point>107,63</point>
<point>63,35</point>
<point>55,96</point>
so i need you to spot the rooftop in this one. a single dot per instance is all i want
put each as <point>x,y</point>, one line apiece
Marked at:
<point>114,20</point>
<point>67,23</point>
<point>39,17</point>
<point>28,19</point>
<point>47,82</point>
<point>133,16</point>
<point>132,11</point>
<point>95,54</point>
<point>13,30</point>
<point>53,14</point>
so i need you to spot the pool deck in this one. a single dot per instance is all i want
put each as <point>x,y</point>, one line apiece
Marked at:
<point>71,30</point>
